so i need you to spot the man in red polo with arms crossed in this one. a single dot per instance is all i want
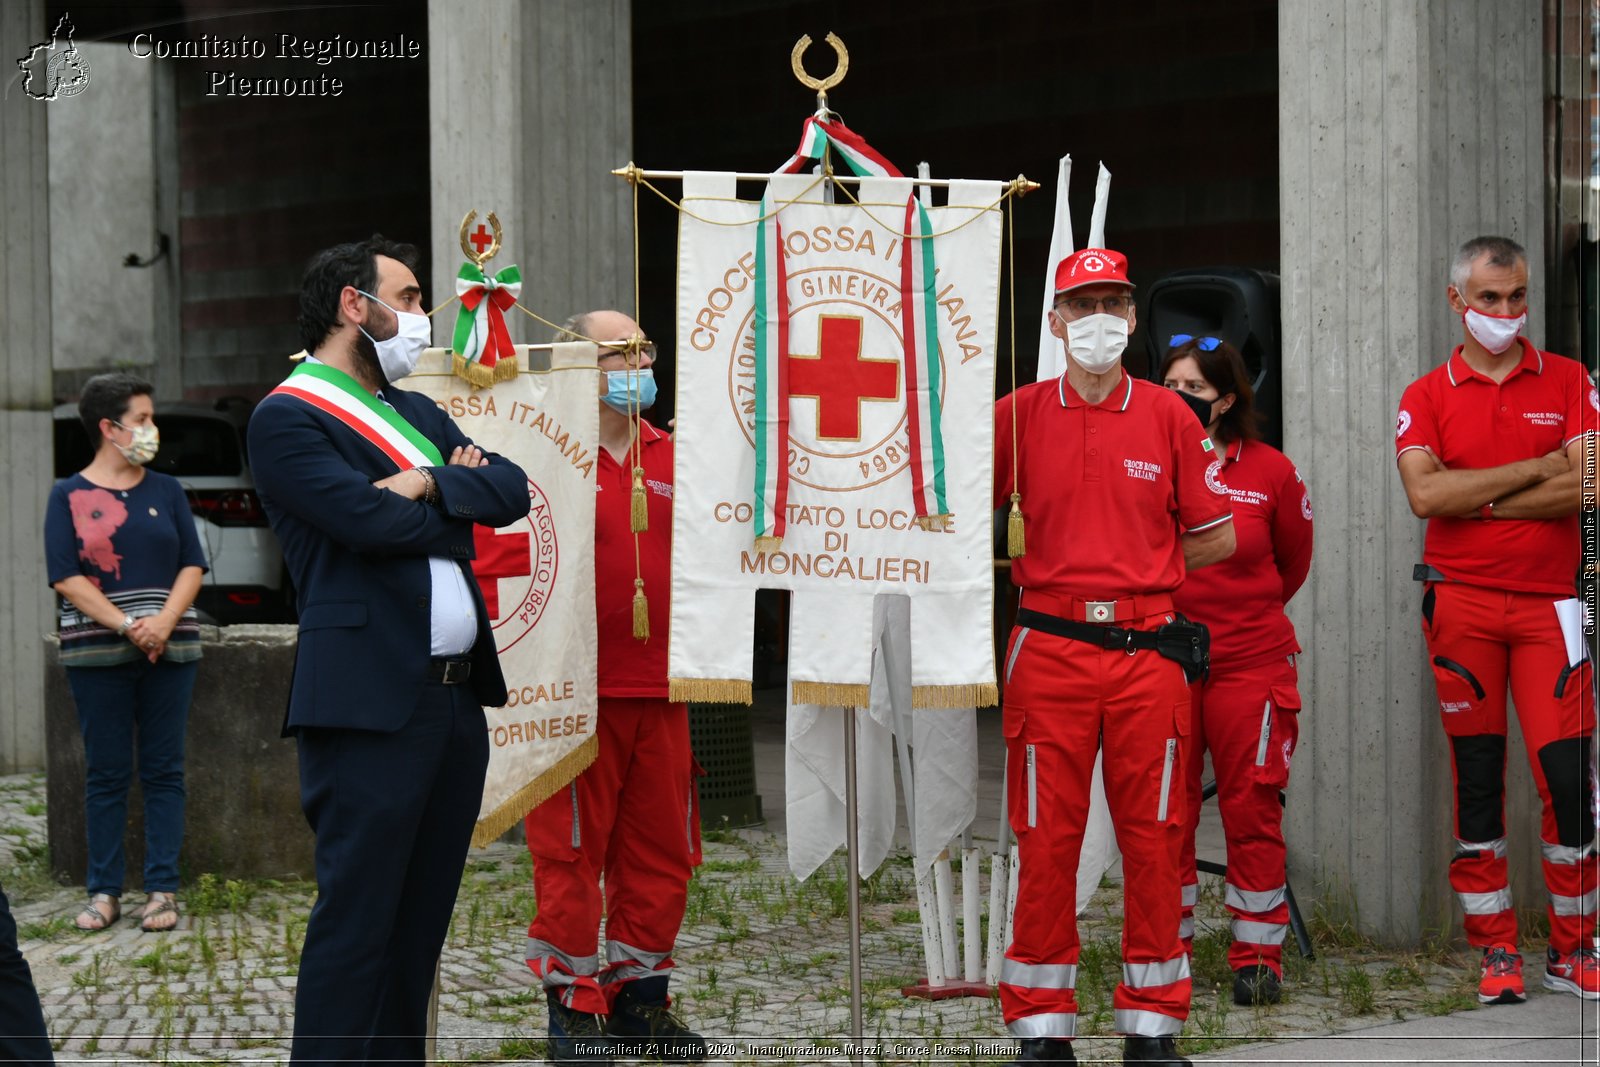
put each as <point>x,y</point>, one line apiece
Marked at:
<point>1492,447</point>
<point>1121,494</point>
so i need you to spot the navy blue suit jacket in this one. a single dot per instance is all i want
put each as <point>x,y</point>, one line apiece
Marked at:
<point>359,557</point>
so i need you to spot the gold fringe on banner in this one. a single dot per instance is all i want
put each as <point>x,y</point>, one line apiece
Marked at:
<point>833,694</point>
<point>506,370</point>
<point>641,612</point>
<point>768,543</point>
<point>935,523</point>
<point>536,792</point>
<point>708,690</point>
<point>474,374</point>
<point>955,696</point>
<point>1016,542</point>
<point>638,510</point>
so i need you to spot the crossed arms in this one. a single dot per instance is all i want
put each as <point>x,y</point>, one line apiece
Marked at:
<point>1544,487</point>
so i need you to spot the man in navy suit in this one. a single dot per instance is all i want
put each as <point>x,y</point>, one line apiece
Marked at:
<point>374,493</point>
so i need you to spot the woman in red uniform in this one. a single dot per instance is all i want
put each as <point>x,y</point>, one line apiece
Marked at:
<point>1246,713</point>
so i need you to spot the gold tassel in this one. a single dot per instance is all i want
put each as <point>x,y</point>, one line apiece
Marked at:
<point>767,543</point>
<point>474,374</point>
<point>708,690</point>
<point>1016,543</point>
<point>641,612</point>
<point>955,696</point>
<point>833,694</point>
<point>548,784</point>
<point>506,369</point>
<point>639,511</point>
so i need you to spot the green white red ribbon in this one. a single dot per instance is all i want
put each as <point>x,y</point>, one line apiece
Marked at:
<point>772,381</point>
<point>335,393</point>
<point>481,335</point>
<point>919,329</point>
<point>820,133</point>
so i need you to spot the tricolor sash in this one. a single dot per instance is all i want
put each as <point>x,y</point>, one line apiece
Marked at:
<point>920,332</point>
<point>334,392</point>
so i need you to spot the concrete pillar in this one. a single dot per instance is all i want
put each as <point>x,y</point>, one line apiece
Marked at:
<point>1406,127</point>
<point>25,433</point>
<point>551,83</point>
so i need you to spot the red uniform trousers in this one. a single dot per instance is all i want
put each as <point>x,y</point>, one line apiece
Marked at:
<point>1478,640</point>
<point>631,816</point>
<point>1250,721</point>
<point>1063,700</point>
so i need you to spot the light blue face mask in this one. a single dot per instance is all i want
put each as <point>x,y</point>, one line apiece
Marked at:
<point>630,390</point>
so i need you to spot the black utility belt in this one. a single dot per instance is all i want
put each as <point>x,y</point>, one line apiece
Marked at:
<point>1186,643</point>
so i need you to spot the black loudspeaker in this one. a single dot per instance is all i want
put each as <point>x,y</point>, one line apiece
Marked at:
<point>1237,304</point>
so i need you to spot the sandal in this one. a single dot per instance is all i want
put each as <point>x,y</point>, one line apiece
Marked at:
<point>91,918</point>
<point>158,904</point>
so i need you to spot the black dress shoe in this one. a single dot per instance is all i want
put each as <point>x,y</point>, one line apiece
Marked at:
<point>1157,1050</point>
<point>1045,1050</point>
<point>1256,985</point>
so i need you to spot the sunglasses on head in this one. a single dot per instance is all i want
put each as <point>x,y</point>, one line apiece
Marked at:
<point>1204,344</point>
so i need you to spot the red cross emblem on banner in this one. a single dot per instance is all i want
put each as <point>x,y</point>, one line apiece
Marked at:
<point>480,238</point>
<point>841,378</point>
<point>499,556</point>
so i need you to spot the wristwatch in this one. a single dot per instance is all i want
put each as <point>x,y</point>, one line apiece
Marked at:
<point>127,624</point>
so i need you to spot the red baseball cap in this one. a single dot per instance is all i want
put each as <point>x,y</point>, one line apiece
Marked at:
<point>1092,266</point>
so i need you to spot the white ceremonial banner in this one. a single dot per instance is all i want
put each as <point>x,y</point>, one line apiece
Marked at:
<point>850,517</point>
<point>537,575</point>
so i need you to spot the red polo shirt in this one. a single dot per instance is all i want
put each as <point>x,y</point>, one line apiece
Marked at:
<point>629,667</point>
<point>1241,598</point>
<point>1106,488</point>
<point>1469,422</point>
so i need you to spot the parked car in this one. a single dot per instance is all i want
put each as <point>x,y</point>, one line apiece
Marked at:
<point>204,448</point>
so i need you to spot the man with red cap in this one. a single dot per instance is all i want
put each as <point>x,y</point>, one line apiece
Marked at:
<point>630,816</point>
<point>1121,496</point>
<point>1493,447</point>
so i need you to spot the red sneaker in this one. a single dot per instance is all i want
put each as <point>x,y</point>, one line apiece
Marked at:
<point>1576,972</point>
<point>1502,976</point>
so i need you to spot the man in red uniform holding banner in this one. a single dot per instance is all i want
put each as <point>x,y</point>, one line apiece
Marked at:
<point>1121,496</point>
<point>1492,448</point>
<point>630,815</point>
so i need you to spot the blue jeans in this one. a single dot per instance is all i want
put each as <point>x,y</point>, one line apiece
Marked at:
<point>150,700</point>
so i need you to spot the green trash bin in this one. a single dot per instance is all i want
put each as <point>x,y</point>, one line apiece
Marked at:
<point>724,746</point>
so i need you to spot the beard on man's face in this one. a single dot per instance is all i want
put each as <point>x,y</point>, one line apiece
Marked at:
<point>381,325</point>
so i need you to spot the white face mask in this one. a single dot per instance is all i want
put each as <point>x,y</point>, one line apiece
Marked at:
<point>1494,332</point>
<point>1095,342</point>
<point>398,355</point>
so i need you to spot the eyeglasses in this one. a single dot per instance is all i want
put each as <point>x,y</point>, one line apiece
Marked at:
<point>1088,305</point>
<point>1204,344</point>
<point>634,353</point>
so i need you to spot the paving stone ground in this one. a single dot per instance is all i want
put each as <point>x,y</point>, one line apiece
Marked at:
<point>762,966</point>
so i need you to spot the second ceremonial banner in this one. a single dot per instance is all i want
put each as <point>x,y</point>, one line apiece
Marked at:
<point>537,576</point>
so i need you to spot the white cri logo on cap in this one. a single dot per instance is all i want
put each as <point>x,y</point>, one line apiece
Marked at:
<point>1094,263</point>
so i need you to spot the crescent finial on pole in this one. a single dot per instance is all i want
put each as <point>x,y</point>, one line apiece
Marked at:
<point>821,85</point>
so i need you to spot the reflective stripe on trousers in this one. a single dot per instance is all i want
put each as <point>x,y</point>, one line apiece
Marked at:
<point>1561,854</point>
<point>1060,1024</point>
<point>1149,975</point>
<point>1495,848</point>
<point>1039,975</point>
<point>625,962</point>
<point>555,969</point>
<point>1486,903</point>
<point>1258,901</point>
<point>1579,905</point>
<point>1145,1023</point>
<point>1255,933</point>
